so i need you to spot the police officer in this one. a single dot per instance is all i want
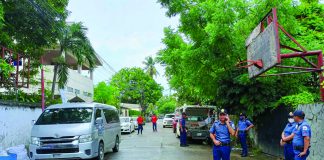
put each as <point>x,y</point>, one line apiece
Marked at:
<point>244,125</point>
<point>300,137</point>
<point>183,131</point>
<point>220,134</point>
<point>288,147</point>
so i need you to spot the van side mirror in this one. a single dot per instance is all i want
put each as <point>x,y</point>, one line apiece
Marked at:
<point>99,120</point>
<point>33,122</point>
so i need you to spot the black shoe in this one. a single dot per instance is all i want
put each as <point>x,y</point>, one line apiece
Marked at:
<point>186,145</point>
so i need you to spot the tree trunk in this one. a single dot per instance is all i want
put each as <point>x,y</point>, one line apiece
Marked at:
<point>54,81</point>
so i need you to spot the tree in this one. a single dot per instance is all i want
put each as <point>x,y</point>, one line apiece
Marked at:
<point>136,87</point>
<point>150,66</point>
<point>201,55</point>
<point>166,104</point>
<point>73,39</point>
<point>106,94</point>
<point>32,25</point>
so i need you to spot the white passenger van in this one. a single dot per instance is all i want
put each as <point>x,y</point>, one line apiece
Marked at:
<point>75,130</point>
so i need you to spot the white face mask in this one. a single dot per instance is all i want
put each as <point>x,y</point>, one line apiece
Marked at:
<point>291,120</point>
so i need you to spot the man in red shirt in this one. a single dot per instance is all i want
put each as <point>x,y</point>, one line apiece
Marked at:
<point>154,119</point>
<point>140,124</point>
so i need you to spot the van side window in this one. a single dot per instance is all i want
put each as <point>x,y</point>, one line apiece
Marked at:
<point>108,115</point>
<point>111,116</point>
<point>98,113</point>
<point>115,117</point>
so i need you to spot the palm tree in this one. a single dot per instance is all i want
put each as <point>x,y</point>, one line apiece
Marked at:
<point>150,66</point>
<point>73,39</point>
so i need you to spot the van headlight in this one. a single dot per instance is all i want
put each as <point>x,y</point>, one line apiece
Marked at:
<point>85,138</point>
<point>35,141</point>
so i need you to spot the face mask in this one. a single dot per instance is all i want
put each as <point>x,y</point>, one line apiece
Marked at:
<point>291,120</point>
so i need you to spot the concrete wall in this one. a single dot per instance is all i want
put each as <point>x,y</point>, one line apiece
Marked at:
<point>315,118</point>
<point>15,124</point>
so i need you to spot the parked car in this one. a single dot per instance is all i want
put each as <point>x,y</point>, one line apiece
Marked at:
<point>198,122</point>
<point>167,120</point>
<point>75,130</point>
<point>127,125</point>
<point>135,122</point>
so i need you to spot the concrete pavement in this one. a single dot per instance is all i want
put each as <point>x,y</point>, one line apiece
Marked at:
<point>161,145</point>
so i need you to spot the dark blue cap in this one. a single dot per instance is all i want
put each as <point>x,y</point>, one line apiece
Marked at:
<point>290,115</point>
<point>243,114</point>
<point>223,111</point>
<point>299,113</point>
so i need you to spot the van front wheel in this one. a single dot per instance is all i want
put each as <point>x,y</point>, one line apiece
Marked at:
<point>101,152</point>
<point>116,148</point>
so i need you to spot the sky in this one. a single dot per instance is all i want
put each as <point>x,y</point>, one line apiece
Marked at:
<point>123,32</point>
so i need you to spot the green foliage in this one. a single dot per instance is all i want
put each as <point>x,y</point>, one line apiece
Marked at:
<point>297,99</point>
<point>166,104</point>
<point>32,24</point>
<point>136,87</point>
<point>150,66</point>
<point>106,94</point>
<point>73,40</point>
<point>5,69</point>
<point>201,55</point>
<point>134,113</point>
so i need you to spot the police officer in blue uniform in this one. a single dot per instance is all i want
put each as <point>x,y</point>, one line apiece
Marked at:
<point>220,134</point>
<point>288,147</point>
<point>300,137</point>
<point>244,125</point>
<point>183,131</point>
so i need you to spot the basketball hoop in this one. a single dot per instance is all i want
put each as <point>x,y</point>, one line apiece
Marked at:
<point>257,63</point>
<point>264,51</point>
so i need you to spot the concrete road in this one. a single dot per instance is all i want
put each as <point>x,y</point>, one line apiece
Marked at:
<point>163,145</point>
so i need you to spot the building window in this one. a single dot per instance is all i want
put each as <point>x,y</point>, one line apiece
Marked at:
<point>85,93</point>
<point>76,91</point>
<point>70,89</point>
<point>89,95</point>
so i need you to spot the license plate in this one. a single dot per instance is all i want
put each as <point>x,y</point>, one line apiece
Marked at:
<point>199,134</point>
<point>56,155</point>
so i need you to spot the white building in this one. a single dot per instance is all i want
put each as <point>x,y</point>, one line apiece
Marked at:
<point>80,80</point>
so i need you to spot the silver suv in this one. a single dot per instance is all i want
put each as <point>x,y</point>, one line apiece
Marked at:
<point>75,130</point>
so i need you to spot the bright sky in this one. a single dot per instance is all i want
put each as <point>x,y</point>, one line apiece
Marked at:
<point>123,32</point>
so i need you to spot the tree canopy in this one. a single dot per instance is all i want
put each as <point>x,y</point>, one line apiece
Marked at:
<point>166,104</point>
<point>200,55</point>
<point>106,94</point>
<point>136,87</point>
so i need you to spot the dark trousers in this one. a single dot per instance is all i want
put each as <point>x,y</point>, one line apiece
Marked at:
<point>222,152</point>
<point>183,138</point>
<point>242,137</point>
<point>301,158</point>
<point>154,127</point>
<point>140,128</point>
<point>289,152</point>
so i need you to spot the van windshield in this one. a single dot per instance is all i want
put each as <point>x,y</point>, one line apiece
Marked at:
<point>65,116</point>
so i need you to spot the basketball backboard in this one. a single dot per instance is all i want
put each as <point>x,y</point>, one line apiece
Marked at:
<point>263,46</point>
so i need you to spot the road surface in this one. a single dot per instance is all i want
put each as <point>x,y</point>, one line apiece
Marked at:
<point>163,145</point>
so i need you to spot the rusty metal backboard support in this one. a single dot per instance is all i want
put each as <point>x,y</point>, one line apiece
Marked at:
<point>264,52</point>
<point>263,48</point>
